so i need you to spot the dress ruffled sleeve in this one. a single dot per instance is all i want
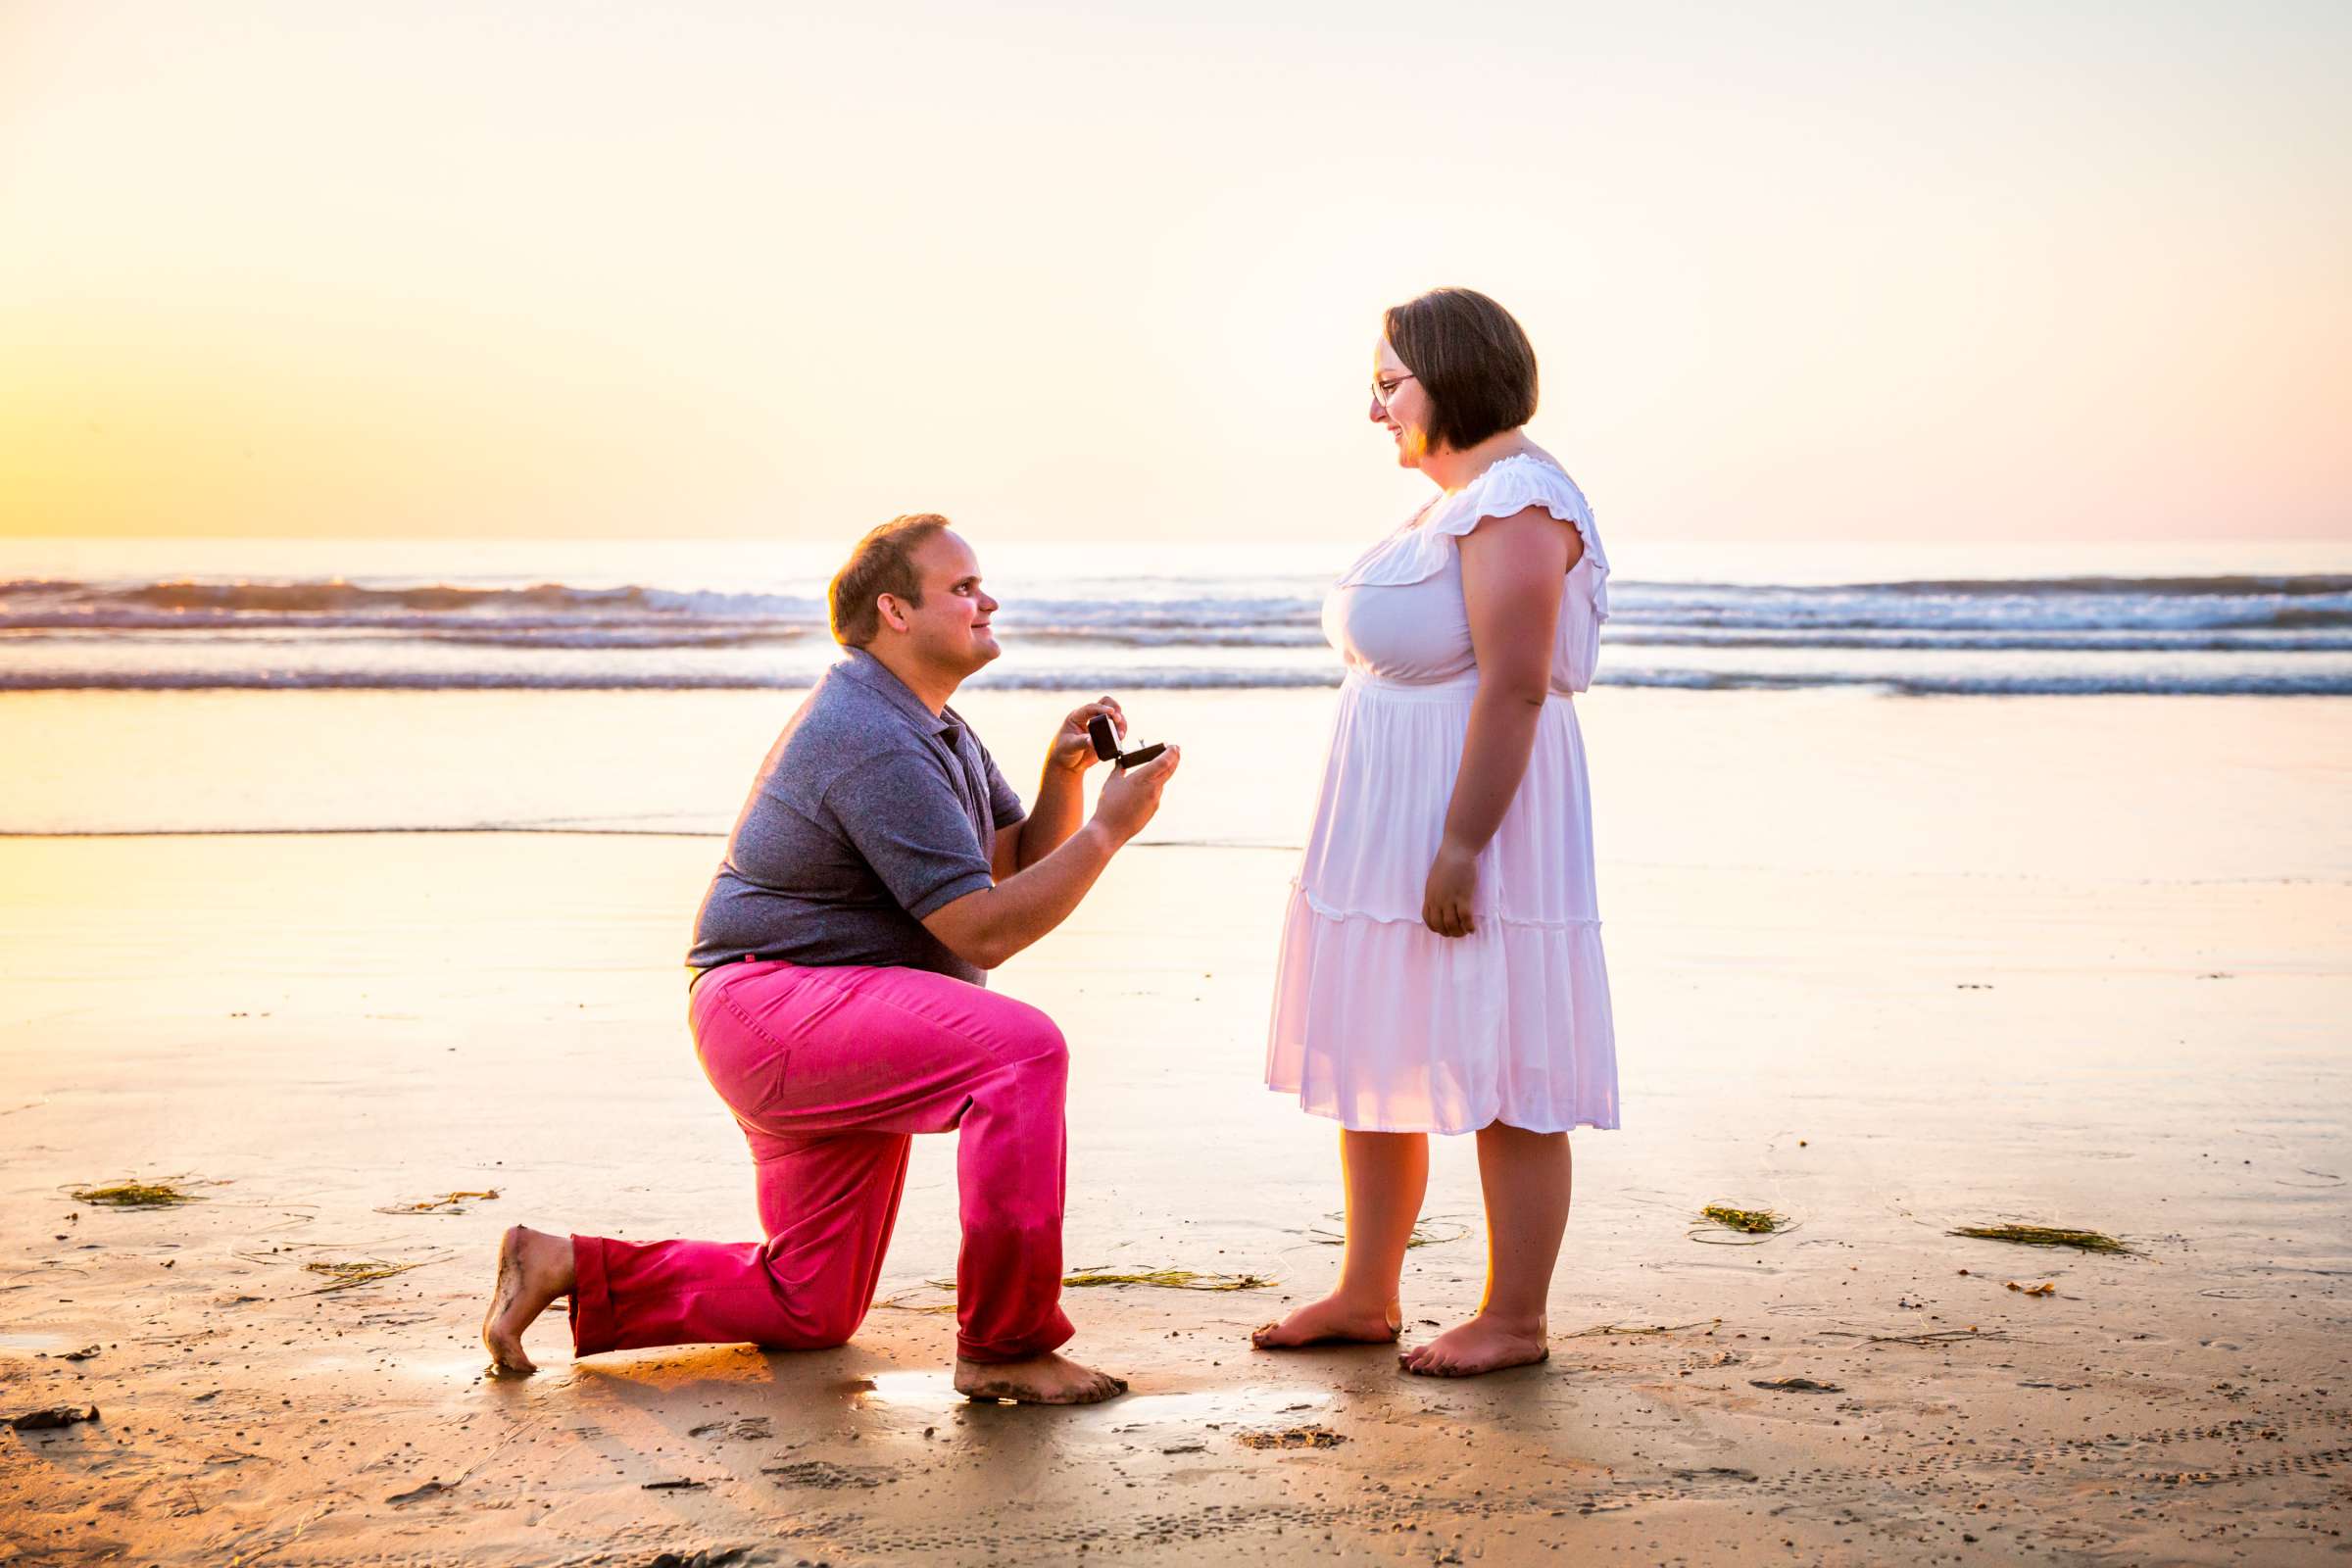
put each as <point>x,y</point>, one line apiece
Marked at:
<point>1505,489</point>
<point>1515,484</point>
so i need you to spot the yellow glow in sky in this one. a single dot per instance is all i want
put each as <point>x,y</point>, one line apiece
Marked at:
<point>1833,271</point>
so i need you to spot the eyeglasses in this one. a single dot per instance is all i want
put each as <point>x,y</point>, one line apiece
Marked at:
<point>1381,393</point>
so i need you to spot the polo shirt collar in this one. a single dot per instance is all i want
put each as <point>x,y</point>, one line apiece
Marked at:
<point>875,676</point>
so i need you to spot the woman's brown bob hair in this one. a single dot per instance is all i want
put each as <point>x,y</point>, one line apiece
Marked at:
<point>1471,357</point>
<point>882,563</point>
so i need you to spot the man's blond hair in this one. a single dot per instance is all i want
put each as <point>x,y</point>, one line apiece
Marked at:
<point>882,563</point>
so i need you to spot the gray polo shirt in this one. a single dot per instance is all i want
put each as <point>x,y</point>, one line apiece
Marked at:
<point>869,814</point>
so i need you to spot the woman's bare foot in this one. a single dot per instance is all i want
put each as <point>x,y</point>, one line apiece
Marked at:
<point>1482,1344</point>
<point>1331,1321</point>
<point>1047,1378</point>
<point>533,1269</point>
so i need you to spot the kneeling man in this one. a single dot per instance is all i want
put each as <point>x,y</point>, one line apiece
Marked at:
<point>880,867</point>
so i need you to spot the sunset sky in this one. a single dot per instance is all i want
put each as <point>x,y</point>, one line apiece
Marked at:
<point>1067,270</point>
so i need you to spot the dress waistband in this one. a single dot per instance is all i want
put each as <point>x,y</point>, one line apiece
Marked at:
<point>1456,689</point>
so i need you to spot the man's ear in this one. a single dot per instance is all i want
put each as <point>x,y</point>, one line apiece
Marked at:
<point>892,613</point>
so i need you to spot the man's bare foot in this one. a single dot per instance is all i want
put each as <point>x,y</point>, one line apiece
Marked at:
<point>1047,1378</point>
<point>533,1269</point>
<point>1331,1321</point>
<point>1482,1344</point>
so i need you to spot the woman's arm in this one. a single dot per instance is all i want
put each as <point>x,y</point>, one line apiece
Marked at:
<point>1514,570</point>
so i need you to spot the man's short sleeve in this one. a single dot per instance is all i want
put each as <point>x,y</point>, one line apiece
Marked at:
<point>1004,806</point>
<point>903,817</point>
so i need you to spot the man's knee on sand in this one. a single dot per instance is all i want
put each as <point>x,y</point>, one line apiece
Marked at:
<point>831,1324</point>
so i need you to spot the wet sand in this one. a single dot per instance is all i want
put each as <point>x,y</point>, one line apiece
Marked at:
<point>1888,967</point>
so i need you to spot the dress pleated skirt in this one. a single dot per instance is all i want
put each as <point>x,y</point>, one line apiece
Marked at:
<point>1384,1025</point>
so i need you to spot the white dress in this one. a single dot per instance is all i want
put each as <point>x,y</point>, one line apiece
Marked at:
<point>1378,1021</point>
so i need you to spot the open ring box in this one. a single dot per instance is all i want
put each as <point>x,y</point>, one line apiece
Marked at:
<point>1106,744</point>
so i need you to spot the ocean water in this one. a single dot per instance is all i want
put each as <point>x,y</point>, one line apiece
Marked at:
<point>2271,620</point>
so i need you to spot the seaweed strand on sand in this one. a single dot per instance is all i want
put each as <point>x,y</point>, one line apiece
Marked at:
<point>346,1276</point>
<point>1728,1226</point>
<point>1613,1329</point>
<point>1171,1279</point>
<point>1433,1231</point>
<point>136,1194</point>
<point>1166,1279</point>
<point>2044,1236</point>
<point>1927,1340</point>
<point>446,1203</point>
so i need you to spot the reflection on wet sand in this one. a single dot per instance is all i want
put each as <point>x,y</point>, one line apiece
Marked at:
<point>1926,997</point>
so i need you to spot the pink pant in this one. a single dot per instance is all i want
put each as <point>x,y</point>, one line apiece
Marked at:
<point>828,1071</point>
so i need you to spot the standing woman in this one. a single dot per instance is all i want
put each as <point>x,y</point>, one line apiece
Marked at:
<point>1440,966</point>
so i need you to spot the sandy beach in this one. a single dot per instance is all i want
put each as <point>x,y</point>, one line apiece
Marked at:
<point>1888,967</point>
<point>442,445</point>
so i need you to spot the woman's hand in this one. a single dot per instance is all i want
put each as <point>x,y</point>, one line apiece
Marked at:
<point>1072,750</point>
<point>1453,884</point>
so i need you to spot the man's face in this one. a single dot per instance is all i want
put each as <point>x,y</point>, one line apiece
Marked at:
<point>950,628</point>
